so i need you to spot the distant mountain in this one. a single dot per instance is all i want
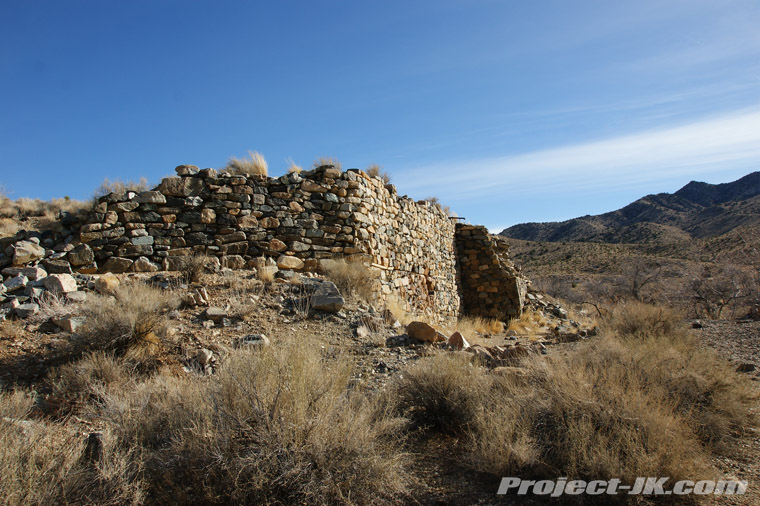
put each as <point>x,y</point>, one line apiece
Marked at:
<point>698,210</point>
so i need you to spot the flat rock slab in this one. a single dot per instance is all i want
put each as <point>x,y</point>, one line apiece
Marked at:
<point>325,296</point>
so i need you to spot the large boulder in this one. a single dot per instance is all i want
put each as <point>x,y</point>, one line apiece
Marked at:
<point>25,252</point>
<point>286,262</point>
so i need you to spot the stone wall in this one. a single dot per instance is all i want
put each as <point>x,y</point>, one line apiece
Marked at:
<point>490,286</point>
<point>296,220</point>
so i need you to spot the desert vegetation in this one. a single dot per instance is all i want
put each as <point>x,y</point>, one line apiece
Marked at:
<point>253,165</point>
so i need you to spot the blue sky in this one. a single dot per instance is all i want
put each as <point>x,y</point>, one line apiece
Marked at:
<point>507,111</point>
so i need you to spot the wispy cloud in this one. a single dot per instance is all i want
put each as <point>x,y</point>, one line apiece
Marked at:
<point>716,144</point>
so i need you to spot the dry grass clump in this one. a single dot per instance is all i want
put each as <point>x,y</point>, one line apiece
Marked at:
<point>193,267</point>
<point>293,167</point>
<point>469,326</point>
<point>87,382</point>
<point>353,279</point>
<point>637,319</point>
<point>530,323</point>
<point>35,214</point>
<point>619,407</point>
<point>134,318</point>
<point>43,463</point>
<point>327,160</point>
<point>277,426</point>
<point>120,186</point>
<point>254,165</point>
<point>399,309</point>
<point>374,170</point>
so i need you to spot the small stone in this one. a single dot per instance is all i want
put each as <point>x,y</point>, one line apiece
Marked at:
<point>457,340</point>
<point>26,310</point>
<point>34,273</point>
<point>117,265</point>
<point>745,367</point>
<point>15,283</point>
<point>215,314</point>
<point>76,297</point>
<point>254,340</point>
<point>69,323</point>
<point>277,245</point>
<point>107,284</point>
<point>61,283</point>
<point>289,263</point>
<point>204,357</point>
<point>325,295</point>
<point>27,251</point>
<point>186,170</point>
<point>56,266</point>
<point>150,197</point>
<point>81,255</point>
<point>142,264</point>
<point>424,332</point>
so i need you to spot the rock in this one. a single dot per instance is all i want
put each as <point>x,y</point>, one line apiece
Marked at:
<point>745,367</point>
<point>181,186</point>
<point>215,314</point>
<point>107,284</point>
<point>290,263</point>
<point>457,340</point>
<point>481,355</point>
<point>61,283</point>
<point>34,273</point>
<point>81,255</point>
<point>56,266</point>
<point>15,283</point>
<point>277,245</point>
<point>511,333</point>
<point>150,197</point>
<point>696,324</point>
<point>424,332</point>
<point>254,340</point>
<point>235,262</point>
<point>186,170</point>
<point>325,295</point>
<point>26,310</point>
<point>142,264</point>
<point>117,265</point>
<point>25,252</point>
<point>362,332</point>
<point>204,357</point>
<point>76,297</point>
<point>69,323</point>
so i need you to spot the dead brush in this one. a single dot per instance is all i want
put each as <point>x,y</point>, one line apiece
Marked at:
<point>374,170</point>
<point>470,326</point>
<point>42,463</point>
<point>530,323</point>
<point>323,161</point>
<point>278,425</point>
<point>353,279</point>
<point>193,267</point>
<point>134,317</point>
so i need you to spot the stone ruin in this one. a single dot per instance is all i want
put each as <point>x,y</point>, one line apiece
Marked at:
<point>433,265</point>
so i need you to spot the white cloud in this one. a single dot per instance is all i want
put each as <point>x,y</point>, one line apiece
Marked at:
<point>708,145</point>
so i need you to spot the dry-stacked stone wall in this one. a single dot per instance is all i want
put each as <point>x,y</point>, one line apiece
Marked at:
<point>490,285</point>
<point>296,220</point>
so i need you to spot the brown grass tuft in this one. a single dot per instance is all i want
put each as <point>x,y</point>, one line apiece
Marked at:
<point>327,160</point>
<point>353,278</point>
<point>254,165</point>
<point>120,186</point>
<point>374,170</point>
<point>293,167</point>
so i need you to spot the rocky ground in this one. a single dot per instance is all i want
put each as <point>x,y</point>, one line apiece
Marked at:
<point>226,310</point>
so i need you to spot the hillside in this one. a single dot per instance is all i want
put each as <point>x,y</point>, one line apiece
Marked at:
<point>696,211</point>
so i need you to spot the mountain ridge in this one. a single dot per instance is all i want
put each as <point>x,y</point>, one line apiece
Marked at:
<point>697,210</point>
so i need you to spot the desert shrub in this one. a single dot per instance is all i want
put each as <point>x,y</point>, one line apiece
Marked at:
<point>277,426</point>
<point>529,322</point>
<point>353,278</point>
<point>193,267</point>
<point>87,381</point>
<point>120,186</point>
<point>374,170</point>
<point>436,202</point>
<point>637,319</point>
<point>135,317</point>
<point>470,326</point>
<point>442,392</point>
<point>327,160</point>
<point>254,165</point>
<point>41,463</point>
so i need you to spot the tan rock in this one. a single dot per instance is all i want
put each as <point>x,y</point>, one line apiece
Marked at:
<point>107,284</point>
<point>289,263</point>
<point>457,340</point>
<point>424,332</point>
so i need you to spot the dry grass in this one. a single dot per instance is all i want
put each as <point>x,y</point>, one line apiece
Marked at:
<point>293,167</point>
<point>35,214</point>
<point>254,165</point>
<point>135,318</point>
<point>399,309</point>
<point>637,403</point>
<point>471,326</point>
<point>435,201</point>
<point>277,426</point>
<point>327,160</point>
<point>120,186</point>
<point>374,170</point>
<point>266,274</point>
<point>353,279</point>
<point>530,323</point>
<point>41,463</point>
<point>193,267</point>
